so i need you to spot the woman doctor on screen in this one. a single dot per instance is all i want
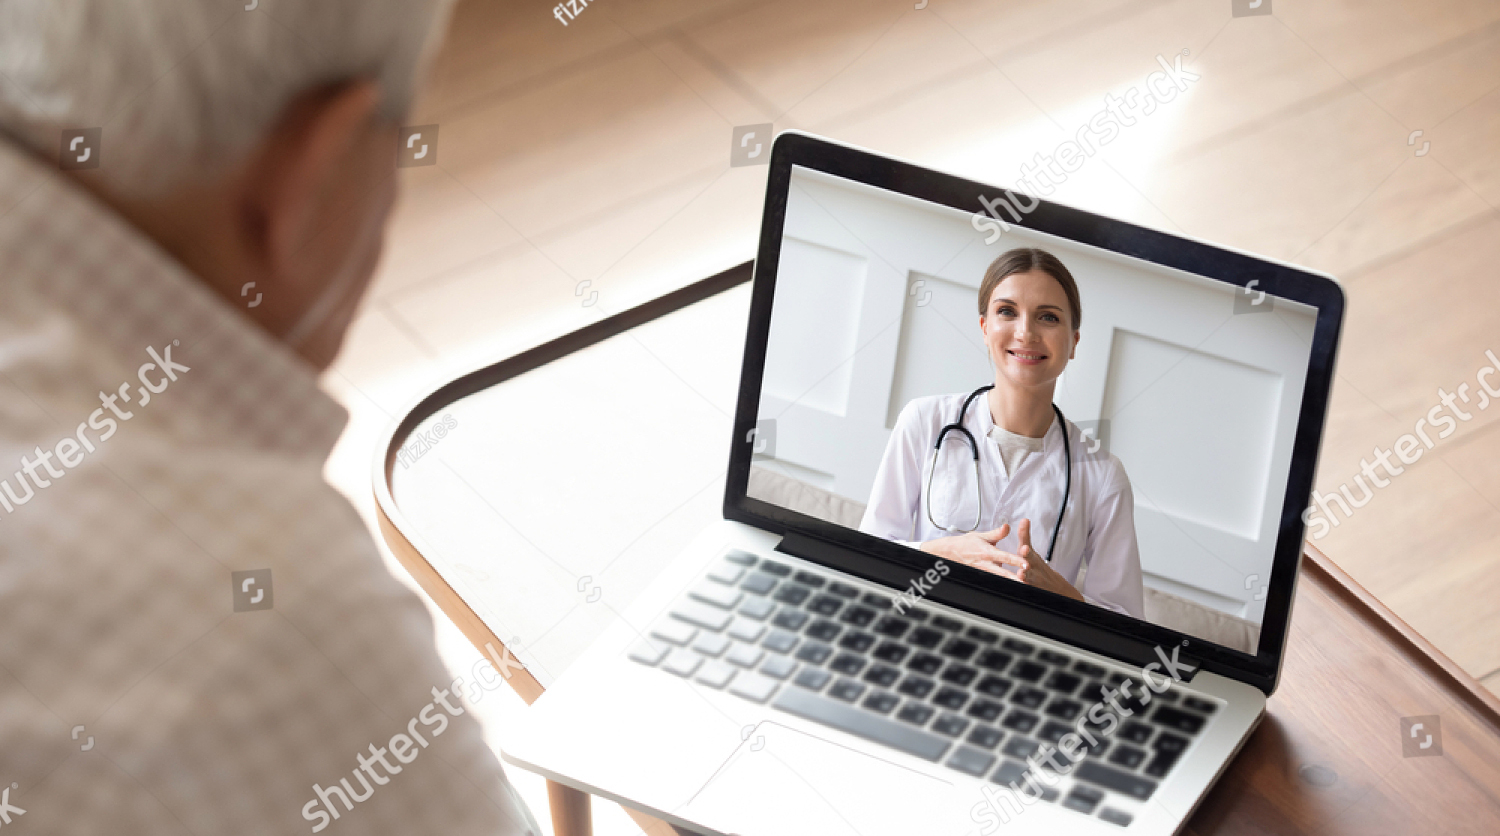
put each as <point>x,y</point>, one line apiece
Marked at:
<point>1029,313</point>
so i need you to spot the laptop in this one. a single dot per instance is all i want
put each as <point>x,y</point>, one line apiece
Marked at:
<point>800,669</point>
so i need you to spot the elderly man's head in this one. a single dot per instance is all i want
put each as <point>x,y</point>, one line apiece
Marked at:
<point>254,145</point>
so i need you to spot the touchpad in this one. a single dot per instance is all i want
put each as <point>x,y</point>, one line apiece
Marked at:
<point>781,781</point>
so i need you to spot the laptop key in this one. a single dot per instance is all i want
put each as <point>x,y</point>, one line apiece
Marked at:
<point>985,737</point>
<point>682,662</point>
<point>1063,709</point>
<point>1028,671</point>
<point>986,710</point>
<point>982,635</point>
<point>814,653</point>
<point>1198,704</point>
<point>1051,732</point>
<point>1020,721</point>
<point>971,761</point>
<point>1088,669</point>
<point>1124,783</point>
<point>915,686</point>
<point>792,594</point>
<point>674,632</point>
<point>727,573</point>
<point>993,661</point>
<point>813,678</point>
<point>1114,816</point>
<point>746,630</point>
<point>892,626</point>
<point>757,608</point>
<point>876,600</point>
<point>790,619</point>
<point>847,664</point>
<point>741,557</point>
<point>1177,719</point>
<point>1029,697</point>
<point>857,641</point>
<point>754,687</point>
<point>993,686</point>
<point>951,698</point>
<point>846,689</point>
<point>825,605</point>
<point>881,702</point>
<point>960,649</point>
<point>843,590</point>
<point>1162,764</point>
<point>777,667</point>
<point>1020,748</point>
<point>915,713</point>
<point>857,616</point>
<point>648,652</point>
<point>806,577</point>
<point>882,675</point>
<point>1135,732</point>
<point>951,725</point>
<point>1083,799</point>
<point>758,583</point>
<point>745,655</point>
<point>1062,683</point>
<point>771,567</point>
<point>1127,756</point>
<point>715,674</point>
<point>846,718</point>
<point>1052,657</point>
<point>960,675</point>
<point>823,630</point>
<point>925,637</point>
<point>1169,743</point>
<point>1017,646</point>
<point>925,663</point>
<point>943,622</point>
<point>702,615</point>
<point>891,652</point>
<point>711,644</point>
<point>779,641</point>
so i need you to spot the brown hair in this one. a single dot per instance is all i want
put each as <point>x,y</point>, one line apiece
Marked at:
<point>1025,260</point>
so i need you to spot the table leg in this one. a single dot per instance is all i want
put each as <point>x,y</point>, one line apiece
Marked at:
<point>571,813</point>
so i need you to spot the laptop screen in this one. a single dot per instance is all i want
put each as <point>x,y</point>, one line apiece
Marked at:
<point>1177,399</point>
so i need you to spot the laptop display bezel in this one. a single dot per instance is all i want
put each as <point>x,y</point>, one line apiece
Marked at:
<point>1077,623</point>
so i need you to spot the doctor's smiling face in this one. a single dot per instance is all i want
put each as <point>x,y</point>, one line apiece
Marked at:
<point>1028,328</point>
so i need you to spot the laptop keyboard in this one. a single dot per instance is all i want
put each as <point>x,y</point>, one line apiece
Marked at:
<point>922,682</point>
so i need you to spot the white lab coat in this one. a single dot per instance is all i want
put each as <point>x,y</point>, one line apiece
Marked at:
<point>1098,529</point>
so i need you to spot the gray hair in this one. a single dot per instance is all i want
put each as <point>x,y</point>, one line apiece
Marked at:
<point>184,88</point>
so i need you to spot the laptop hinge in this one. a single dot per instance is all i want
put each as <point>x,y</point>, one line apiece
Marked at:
<point>1179,660</point>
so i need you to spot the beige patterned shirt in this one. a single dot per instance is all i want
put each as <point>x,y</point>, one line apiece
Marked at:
<point>153,443</point>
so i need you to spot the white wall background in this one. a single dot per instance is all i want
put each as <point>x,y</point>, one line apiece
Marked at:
<point>876,304</point>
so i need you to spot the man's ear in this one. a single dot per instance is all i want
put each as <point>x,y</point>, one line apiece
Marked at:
<point>286,178</point>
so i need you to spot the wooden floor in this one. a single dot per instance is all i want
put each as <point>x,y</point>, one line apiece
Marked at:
<point>595,157</point>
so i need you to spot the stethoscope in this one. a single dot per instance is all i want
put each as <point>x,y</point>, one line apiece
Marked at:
<point>958,425</point>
